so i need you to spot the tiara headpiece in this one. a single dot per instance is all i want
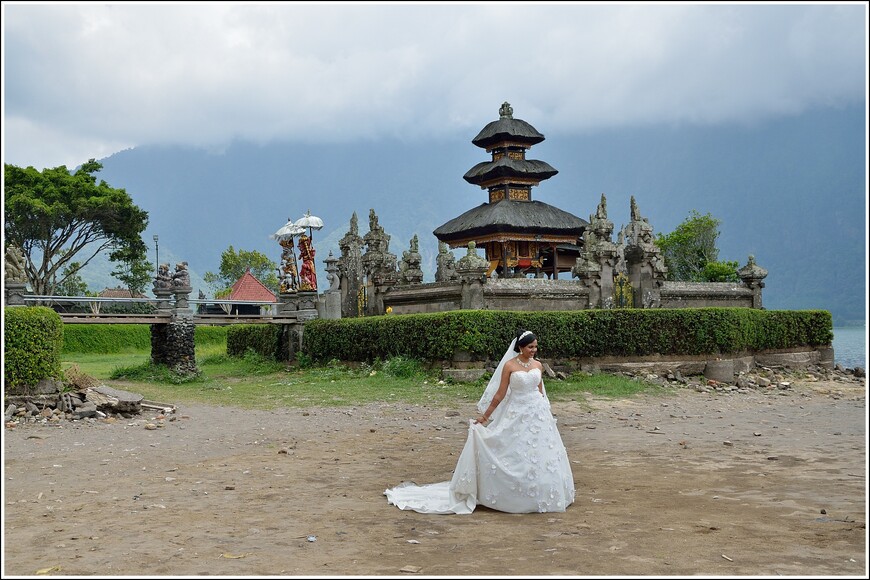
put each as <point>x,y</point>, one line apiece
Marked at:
<point>523,335</point>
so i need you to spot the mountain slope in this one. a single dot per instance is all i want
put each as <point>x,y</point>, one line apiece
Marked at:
<point>791,192</point>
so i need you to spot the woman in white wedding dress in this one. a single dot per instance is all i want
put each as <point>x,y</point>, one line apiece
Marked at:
<point>513,460</point>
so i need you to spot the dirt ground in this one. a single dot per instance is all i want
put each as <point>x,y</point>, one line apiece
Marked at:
<point>759,483</point>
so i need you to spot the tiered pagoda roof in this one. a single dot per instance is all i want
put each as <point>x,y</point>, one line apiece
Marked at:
<point>509,176</point>
<point>505,219</point>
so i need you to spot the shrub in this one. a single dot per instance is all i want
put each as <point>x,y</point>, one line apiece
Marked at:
<point>483,334</point>
<point>266,340</point>
<point>112,338</point>
<point>106,338</point>
<point>33,340</point>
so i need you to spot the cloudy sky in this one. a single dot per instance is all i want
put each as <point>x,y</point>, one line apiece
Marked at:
<point>83,80</point>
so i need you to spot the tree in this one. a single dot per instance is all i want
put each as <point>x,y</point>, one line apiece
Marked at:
<point>690,251</point>
<point>73,284</point>
<point>233,266</point>
<point>54,216</point>
<point>132,269</point>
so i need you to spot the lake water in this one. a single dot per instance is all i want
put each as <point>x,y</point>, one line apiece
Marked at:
<point>850,346</point>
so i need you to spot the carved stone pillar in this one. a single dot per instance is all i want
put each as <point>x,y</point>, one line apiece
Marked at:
<point>164,304</point>
<point>331,300</point>
<point>182,306</point>
<point>350,270</point>
<point>14,293</point>
<point>379,266</point>
<point>752,275</point>
<point>644,261</point>
<point>595,267</point>
<point>471,270</point>
<point>287,303</point>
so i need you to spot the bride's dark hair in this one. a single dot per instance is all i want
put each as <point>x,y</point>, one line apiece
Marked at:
<point>524,337</point>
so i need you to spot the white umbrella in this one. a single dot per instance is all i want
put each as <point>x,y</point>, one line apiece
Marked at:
<point>312,222</point>
<point>287,230</point>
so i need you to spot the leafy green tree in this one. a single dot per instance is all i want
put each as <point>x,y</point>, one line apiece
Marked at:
<point>233,265</point>
<point>132,269</point>
<point>58,218</point>
<point>73,284</point>
<point>720,272</point>
<point>691,254</point>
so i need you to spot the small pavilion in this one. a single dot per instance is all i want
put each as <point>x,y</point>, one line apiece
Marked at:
<point>519,235</point>
<point>248,288</point>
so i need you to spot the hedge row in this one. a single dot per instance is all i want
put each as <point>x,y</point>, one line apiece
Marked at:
<point>575,334</point>
<point>267,340</point>
<point>33,339</point>
<point>113,338</point>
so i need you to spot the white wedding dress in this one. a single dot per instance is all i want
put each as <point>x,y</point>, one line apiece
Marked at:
<point>516,464</point>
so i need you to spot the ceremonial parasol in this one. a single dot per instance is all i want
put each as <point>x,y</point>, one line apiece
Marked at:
<point>288,230</point>
<point>312,222</point>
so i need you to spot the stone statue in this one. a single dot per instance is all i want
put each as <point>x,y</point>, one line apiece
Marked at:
<point>635,214</point>
<point>506,111</point>
<point>601,211</point>
<point>181,277</point>
<point>446,264</point>
<point>308,274</point>
<point>289,273</point>
<point>409,267</point>
<point>14,266</point>
<point>164,279</point>
<point>471,261</point>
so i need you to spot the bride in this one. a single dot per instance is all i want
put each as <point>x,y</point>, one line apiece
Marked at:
<point>513,460</point>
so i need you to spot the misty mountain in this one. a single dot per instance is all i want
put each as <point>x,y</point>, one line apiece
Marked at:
<point>789,191</point>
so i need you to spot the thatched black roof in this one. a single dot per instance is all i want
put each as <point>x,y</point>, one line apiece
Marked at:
<point>507,167</point>
<point>510,129</point>
<point>509,216</point>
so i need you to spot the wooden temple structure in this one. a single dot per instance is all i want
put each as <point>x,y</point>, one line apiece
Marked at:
<point>519,235</point>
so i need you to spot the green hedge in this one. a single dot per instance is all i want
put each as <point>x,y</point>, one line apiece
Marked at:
<point>33,339</point>
<point>113,338</point>
<point>571,334</point>
<point>267,340</point>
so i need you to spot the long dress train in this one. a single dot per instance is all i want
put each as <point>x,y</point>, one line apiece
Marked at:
<point>516,464</point>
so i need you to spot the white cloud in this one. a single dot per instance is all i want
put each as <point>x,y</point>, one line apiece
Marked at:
<point>80,80</point>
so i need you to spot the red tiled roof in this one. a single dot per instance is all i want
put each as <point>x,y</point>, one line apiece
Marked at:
<point>119,293</point>
<point>249,288</point>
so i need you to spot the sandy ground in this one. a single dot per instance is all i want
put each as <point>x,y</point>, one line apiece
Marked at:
<point>686,484</point>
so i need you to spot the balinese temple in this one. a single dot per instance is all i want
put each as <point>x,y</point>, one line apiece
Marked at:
<point>520,236</point>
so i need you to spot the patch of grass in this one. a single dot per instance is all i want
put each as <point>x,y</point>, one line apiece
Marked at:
<point>101,366</point>
<point>403,368</point>
<point>252,381</point>
<point>600,385</point>
<point>152,373</point>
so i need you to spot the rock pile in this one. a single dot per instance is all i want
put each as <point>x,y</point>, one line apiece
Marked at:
<point>97,401</point>
<point>762,378</point>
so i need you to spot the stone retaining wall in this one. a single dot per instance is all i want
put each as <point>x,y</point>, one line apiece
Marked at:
<point>723,368</point>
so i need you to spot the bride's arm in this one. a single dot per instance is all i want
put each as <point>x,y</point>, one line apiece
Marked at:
<point>499,394</point>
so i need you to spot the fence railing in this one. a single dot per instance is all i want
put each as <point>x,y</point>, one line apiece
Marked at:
<point>95,304</point>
